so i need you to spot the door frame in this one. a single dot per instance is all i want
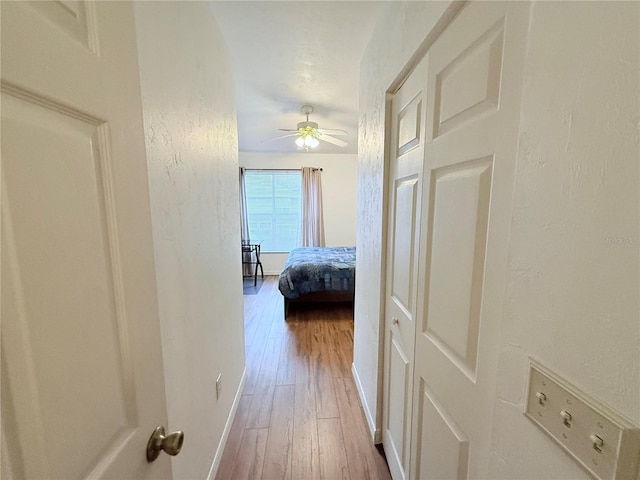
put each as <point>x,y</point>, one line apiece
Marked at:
<point>452,11</point>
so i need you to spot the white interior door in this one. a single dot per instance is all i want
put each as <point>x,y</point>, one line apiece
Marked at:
<point>473,103</point>
<point>405,191</point>
<point>82,375</point>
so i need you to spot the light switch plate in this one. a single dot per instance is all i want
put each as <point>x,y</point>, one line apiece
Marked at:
<point>603,442</point>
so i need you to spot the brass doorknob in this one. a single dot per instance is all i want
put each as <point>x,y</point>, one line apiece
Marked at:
<point>171,444</point>
<point>395,321</point>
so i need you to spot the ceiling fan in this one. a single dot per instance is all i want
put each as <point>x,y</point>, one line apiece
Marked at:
<point>309,135</point>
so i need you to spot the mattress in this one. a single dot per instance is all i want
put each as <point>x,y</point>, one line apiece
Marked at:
<point>318,269</point>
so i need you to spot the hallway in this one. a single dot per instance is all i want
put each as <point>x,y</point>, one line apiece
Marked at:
<point>299,416</point>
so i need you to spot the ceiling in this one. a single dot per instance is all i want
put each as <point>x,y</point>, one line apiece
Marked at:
<point>286,54</point>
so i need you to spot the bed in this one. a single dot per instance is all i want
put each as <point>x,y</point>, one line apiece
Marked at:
<point>318,274</point>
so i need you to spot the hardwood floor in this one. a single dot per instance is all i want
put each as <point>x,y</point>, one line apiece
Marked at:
<point>299,416</point>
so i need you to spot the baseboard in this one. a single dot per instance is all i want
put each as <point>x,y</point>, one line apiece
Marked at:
<point>376,434</point>
<point>227,428</point>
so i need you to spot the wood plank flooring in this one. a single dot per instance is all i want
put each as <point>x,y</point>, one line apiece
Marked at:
<point>299,417</point>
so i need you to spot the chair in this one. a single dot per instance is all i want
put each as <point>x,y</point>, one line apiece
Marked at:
<point>251,256</point>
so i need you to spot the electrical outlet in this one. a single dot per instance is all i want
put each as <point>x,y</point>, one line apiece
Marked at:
<point>218,385</point>
<point>603,442</point>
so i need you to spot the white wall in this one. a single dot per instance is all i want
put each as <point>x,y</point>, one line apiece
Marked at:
<point>339,180</point>
<point>572,299</point>
<point>190,129</point>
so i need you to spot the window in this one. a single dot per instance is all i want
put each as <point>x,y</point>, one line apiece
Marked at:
<point>274,208</point>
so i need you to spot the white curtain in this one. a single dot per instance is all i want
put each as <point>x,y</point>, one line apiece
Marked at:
<point>312,218</point>
<point>244,227</point>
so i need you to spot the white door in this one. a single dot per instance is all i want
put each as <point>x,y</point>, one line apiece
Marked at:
<point>82,375</point>
<point>406,151</point>
<point>473,102</point>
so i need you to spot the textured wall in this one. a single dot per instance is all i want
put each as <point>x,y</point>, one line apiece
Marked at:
<point>190,129</point>
<point>339,180</point>
<point>400,31</point>
<point>574,268</point>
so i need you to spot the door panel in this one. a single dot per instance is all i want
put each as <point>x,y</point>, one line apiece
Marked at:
<point>474,86</point>
<point>82,365</point>
<point>404,229</point>
<point>469,85</point>
<point>399,389</point>
<point>404,210</point>
<point>457,229</point>
<point>75,18</point>
<point>409,124</point>
<point>54,237</point>
<point>444,453</point>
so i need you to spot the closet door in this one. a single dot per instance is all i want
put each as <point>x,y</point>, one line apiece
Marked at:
<point>405,192</point>
<point>473,103</point>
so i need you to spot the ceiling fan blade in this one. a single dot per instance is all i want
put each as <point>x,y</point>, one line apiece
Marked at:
<point>333,140</point>
<point>333,131</point>
<point>281,136</point>
<point>288,129</point>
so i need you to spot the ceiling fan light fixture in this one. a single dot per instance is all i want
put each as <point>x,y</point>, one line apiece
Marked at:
<point>308,134</point>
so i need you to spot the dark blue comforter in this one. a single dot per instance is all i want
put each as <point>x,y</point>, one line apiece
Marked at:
<point>318,269</point>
